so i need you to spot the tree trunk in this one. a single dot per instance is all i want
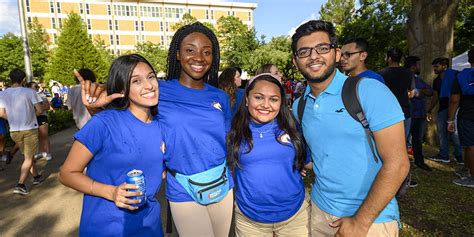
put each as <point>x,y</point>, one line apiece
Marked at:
<point>430,35</point>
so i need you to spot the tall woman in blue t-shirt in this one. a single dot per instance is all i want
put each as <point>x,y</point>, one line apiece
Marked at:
<point>194,118</point>
<point>111,144</point>
<point>267,154</point>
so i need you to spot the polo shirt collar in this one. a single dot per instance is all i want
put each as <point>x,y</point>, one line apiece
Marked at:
<point>334,87</point>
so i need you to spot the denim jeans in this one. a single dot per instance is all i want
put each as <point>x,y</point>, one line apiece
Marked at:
<point>418,126</point>
<point>444,137</point>
<point>407,124</point>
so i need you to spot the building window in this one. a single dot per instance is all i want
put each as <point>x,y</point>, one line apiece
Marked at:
<point>81,8</point>
<point>162,40</point>
<point>58,5</point>
<point>29,20</point>
<point>212,14</point>
<point>167,26</point>
<point>111,27</point>
<point>136,25</point>
<point>190,11</point>
<point>27,5</point>
<point>117,39</point>
<point>88,10</point>
<point>161,26</point>
<point>142,38</point>
<point>109,11</point>
<point>111,39</point>
<point>55,38</point>
<point>250,16</point>
<point>209,14</point>
<point>89,25</point>
<point>142,26</point>
<point>230,13</point>
<point>53,23</point>
<point>116,25</point>
<point>51,6</point>
<point>60,22</point>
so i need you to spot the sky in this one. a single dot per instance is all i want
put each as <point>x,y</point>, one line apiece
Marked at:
<point>271,17</point>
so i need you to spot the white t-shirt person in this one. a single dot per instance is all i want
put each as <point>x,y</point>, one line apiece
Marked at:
<point>19,104</point>
<point>74,103</point>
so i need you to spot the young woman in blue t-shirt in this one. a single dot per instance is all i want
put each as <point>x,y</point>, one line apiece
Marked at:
<point>267,154</point>
<point>114,142</point>
<point>194,118</point>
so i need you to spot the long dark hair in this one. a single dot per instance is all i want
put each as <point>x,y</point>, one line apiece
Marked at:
<point>174,67</point>
<point>240,133</point>
<point>226,83</point>
<point>118,80</point>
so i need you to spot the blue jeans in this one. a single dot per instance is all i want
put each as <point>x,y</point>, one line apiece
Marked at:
<point>407,124</point>
<point>444,137</point>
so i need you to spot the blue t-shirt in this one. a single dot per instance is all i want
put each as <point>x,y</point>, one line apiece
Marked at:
<point>342,160</point>
<point>447,83</point>
<point>239,95</point>
<point>194,123</point>
<point>120,142</point>
<point>268,188</point>
<point>418,103</point>
<point>371,74</point>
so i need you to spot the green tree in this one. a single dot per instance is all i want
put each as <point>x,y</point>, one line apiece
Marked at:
<point>338,12</point>
<point>75,50</point>
<point>464,27</point>
<point>105,52</point>
<point>39,48</point>
<point>11,54</point>
<point>188,19</point>
<point>237,42</point>
<point>156,54</point>
<point>278,52</point>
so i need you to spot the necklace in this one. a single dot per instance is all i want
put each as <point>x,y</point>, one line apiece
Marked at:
<point>260,133</point>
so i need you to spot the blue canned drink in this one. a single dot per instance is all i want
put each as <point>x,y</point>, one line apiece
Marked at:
<point>136,177</point>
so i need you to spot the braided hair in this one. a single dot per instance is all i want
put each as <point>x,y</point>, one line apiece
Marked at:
<point>174,67</point>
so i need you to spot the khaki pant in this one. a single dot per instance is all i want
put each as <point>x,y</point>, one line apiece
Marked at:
<point>194,220</point>
<point>295,226</point>
<point>27,141</point>
<point>320,225</point>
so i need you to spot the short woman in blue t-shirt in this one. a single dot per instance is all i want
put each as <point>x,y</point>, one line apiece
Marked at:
<point>229,81</point>
<point>267,154</point>
<point>114,142</point>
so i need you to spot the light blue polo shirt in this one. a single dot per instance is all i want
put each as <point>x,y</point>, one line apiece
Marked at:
<point>342,160</point>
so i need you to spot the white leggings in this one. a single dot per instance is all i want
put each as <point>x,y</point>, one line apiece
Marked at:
<point>194,220</point>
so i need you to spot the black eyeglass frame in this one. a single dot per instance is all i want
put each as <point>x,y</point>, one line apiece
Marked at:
<point>347,55</point>
<point>315,48</point>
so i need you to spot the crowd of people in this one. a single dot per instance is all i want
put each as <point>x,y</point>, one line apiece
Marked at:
<point>225,150</point>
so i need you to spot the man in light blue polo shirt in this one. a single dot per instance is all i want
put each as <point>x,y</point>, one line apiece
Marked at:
<point>352,195</point>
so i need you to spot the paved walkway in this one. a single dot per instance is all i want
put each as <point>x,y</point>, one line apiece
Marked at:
<point>51,209</point>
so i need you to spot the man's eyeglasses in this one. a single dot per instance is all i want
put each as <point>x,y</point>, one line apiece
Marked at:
<point>320,49</point>
<point>347,55</point>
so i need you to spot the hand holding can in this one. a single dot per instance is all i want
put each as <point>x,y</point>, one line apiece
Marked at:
<point>122,196</point>
<point>137,178</point>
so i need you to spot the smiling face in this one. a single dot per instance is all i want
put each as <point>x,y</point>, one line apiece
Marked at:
<point>195,56</point>
<point>264,102</point>
<point>143,92</point>
<point>316,68</point>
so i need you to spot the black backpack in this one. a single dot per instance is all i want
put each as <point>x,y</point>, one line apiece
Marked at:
<point>350,98</point>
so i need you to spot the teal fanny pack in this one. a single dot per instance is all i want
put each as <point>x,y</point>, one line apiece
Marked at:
<point>206,187</point>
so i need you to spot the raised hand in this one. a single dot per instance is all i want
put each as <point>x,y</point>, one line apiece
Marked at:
<point>94,95</point>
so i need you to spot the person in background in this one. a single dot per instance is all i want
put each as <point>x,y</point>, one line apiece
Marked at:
<point>418,112</point>
<point>462,97</point>
<point>272,69</point>
<point>80,113</point>
<point>20,106</point>
<point>56,102</point>
<point>44,146</point>
<point>353,56</point>
<point>230,81</point>
<point>442,86</point>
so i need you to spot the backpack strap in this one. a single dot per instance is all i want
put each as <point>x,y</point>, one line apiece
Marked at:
<point>300,109</point>
<point>350,98</point>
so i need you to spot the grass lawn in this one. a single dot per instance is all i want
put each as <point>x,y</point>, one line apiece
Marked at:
<point>436,207</point>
